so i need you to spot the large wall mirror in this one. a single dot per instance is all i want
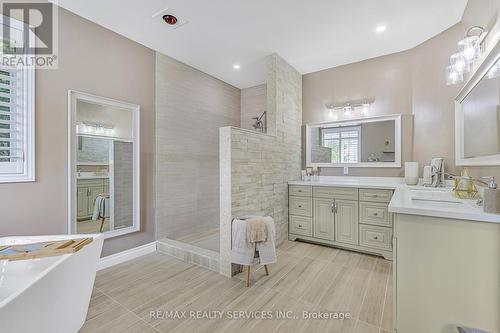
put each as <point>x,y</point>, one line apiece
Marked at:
<point>477,114</point>
<point>103,165</point>
<point>364,142</point>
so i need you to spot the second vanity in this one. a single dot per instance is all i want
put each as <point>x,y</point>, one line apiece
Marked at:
<point>445,251</point>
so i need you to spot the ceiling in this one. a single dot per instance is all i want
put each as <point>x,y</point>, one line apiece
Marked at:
<point>311,35</point>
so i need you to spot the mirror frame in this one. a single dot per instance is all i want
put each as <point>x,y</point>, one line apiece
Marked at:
<point>355,121</point>
<point>489,58</point>
<point>73,96</point>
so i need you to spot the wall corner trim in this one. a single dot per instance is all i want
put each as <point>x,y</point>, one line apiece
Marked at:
<point>126,255</point>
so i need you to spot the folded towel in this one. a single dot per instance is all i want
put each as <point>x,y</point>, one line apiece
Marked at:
<point>256,230</point>
<point>243,251</point>
<point>101,208</point>
<point>267,249</point>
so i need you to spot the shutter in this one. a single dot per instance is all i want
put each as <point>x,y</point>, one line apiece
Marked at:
<point>12,122</point>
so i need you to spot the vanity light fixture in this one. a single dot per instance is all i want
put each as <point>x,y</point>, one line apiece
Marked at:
<point>469,50</point>
<point>236,66</point>
<point>380,29</point>
<point>347,108</point>
<point>84,127</point>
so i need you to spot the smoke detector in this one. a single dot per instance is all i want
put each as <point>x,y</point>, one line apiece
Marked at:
<point>168,16</point>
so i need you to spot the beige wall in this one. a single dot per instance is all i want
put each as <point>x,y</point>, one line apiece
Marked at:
<point>94,60</point>
<point>191,106</point>
<point>253,104</point>
<point>410,82</point>
<point>386,79</point>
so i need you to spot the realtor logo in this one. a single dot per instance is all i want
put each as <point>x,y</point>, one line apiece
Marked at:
<point>29,34</point>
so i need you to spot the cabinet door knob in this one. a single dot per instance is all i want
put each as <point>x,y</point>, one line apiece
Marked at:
<point>300,225</point>
<point>375,214</point>
<point>376,237</point>
<point>300,206</point>
<point>300,191</point>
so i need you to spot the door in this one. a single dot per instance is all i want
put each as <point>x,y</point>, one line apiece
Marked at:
<point>323,221</point>
<point>82,197</point>
<point>346,222</point>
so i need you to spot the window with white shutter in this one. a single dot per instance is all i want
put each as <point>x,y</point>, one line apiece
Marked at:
<point>16,122</point>
<point>344,143</point>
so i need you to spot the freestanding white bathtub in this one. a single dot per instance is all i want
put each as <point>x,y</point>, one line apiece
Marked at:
<point>47,295</point>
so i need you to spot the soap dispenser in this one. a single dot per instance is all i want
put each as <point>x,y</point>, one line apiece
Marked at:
<point>491,197</point>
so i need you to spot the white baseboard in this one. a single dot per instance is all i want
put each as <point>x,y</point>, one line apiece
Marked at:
<point>126,255</point>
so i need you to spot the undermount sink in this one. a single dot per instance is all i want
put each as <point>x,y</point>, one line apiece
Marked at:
<point>436,203</point>
<point>434,197</point>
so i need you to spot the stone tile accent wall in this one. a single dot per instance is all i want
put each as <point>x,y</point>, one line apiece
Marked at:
<point>255,168</point>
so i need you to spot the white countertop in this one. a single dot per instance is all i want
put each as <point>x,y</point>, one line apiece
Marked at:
<point>419,200</point>
<point>413,200</point>
<point>389,183</point>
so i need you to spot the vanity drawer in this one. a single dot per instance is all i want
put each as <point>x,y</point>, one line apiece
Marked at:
<point>375,195</point>
<point>343,193</point>
<point>376,213</point>
<point>375,237</point>
<point>300,191</point>
<point>301,225</point>
<point>300,206</point>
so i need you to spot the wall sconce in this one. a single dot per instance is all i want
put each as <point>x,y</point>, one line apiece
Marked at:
<point>469,50</point>
<point>349,107</point>
<point>83,127</point>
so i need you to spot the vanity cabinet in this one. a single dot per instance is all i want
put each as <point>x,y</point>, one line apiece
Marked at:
<point>323,219</point>
<point>87,191</point>
<point>346,217</point>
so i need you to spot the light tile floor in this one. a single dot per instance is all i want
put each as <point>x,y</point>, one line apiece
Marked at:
<point>306,278</point>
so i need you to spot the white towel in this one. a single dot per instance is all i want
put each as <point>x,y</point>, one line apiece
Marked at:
<point>267,249</point>
<point>101,208</point>
<point>243,252</point>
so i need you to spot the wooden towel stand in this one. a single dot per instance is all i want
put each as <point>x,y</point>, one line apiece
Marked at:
<point>248,273</point>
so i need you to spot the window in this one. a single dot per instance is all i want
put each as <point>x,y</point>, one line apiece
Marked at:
<point>344,143</point>
<point>16,121</point>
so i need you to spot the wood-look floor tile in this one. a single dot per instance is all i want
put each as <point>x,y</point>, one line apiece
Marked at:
<point>362,327</point>
<point>295,282</point>
<point>279,306</point>
<point>387,316</point>
<point>367,262</point>
<point>318,287</point>
<point>355,292</point>
<point>371,310</point>
<point>305,278</point>
<point>347,258</point>
<point>332,298</point>
<point>198,303</point>
<point>98,305</point>
<point>114,310</point>
<point>178,293</point>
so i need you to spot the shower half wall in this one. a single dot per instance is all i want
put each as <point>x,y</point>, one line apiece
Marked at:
<point>190,108</point>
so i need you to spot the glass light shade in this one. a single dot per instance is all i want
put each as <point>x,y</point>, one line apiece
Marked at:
<point>469,48</point>
<point>460,63</point>
<point>494,71</point>
<point>453,76</point>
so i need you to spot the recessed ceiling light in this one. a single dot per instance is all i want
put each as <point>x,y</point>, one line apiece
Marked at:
<point>236,66</point>
<point>381,28</point>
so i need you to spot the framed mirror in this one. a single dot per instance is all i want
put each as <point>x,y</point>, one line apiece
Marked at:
<point>364,142</point>
<point>477,114</point>
<point>103,165</point>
